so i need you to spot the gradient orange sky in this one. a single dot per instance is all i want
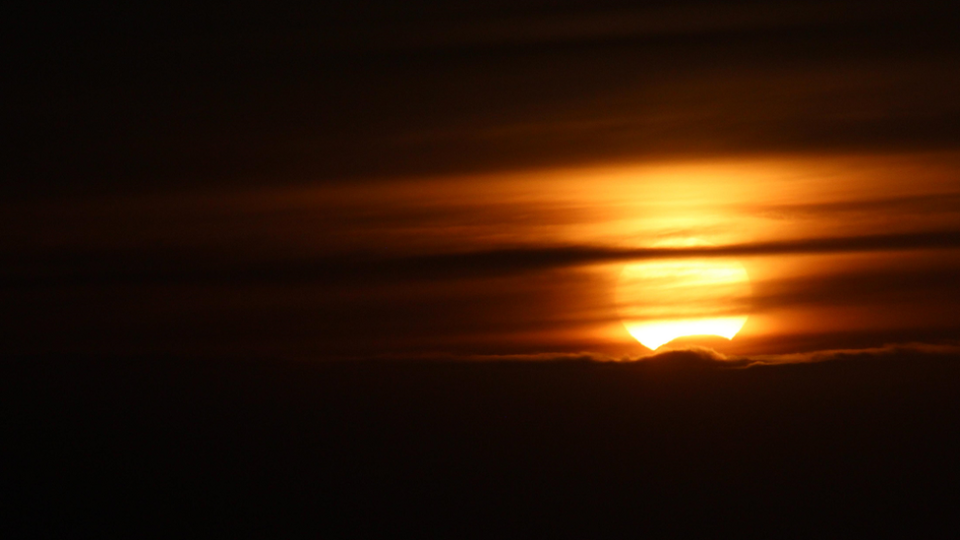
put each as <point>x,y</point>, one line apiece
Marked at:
<point>839,250</point>
<point>473,180</point>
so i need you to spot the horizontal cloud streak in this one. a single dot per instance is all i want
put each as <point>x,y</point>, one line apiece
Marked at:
<point>705,356</point>
<point>948,203</point>
<point>552,257</point>
<point>179,266</point>
<point>890,351</point>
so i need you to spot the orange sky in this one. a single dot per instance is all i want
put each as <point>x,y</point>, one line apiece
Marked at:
<point>476,263</point>
<point>421,178</point>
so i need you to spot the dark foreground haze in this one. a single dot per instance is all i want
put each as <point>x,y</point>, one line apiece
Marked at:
<point>566,448</point>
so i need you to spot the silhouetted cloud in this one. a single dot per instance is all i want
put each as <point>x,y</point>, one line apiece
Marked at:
<point>891,351</point>
<point>707,357</point>
<point>525,259</point>
<point>159,265</point>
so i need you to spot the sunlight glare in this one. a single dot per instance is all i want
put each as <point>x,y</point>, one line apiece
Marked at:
<point>660,301</point>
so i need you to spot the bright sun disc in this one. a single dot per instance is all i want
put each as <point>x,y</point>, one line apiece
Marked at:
<point>660,301</point>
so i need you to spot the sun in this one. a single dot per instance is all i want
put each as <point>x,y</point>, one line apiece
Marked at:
<point>659,301</point>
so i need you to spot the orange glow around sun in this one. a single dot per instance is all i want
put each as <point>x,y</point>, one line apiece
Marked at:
<point>660,301</point>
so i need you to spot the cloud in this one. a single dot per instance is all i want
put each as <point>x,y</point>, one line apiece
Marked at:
<point>694,356</point>
<point>871,285</point>
<point>895,351</point>
<point>535,258</point>
<point>890,351</point>
<point>903,205</point>
<point>157,265</point>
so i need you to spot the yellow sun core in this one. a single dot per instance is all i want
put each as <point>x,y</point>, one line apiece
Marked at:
<point>660,301</point>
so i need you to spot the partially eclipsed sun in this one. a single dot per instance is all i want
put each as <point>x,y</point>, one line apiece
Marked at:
<point>660,301</point>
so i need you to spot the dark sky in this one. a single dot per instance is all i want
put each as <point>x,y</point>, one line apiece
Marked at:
<point>145,96</point>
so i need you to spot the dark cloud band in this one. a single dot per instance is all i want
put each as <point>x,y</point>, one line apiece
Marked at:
<point>157,266</point>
